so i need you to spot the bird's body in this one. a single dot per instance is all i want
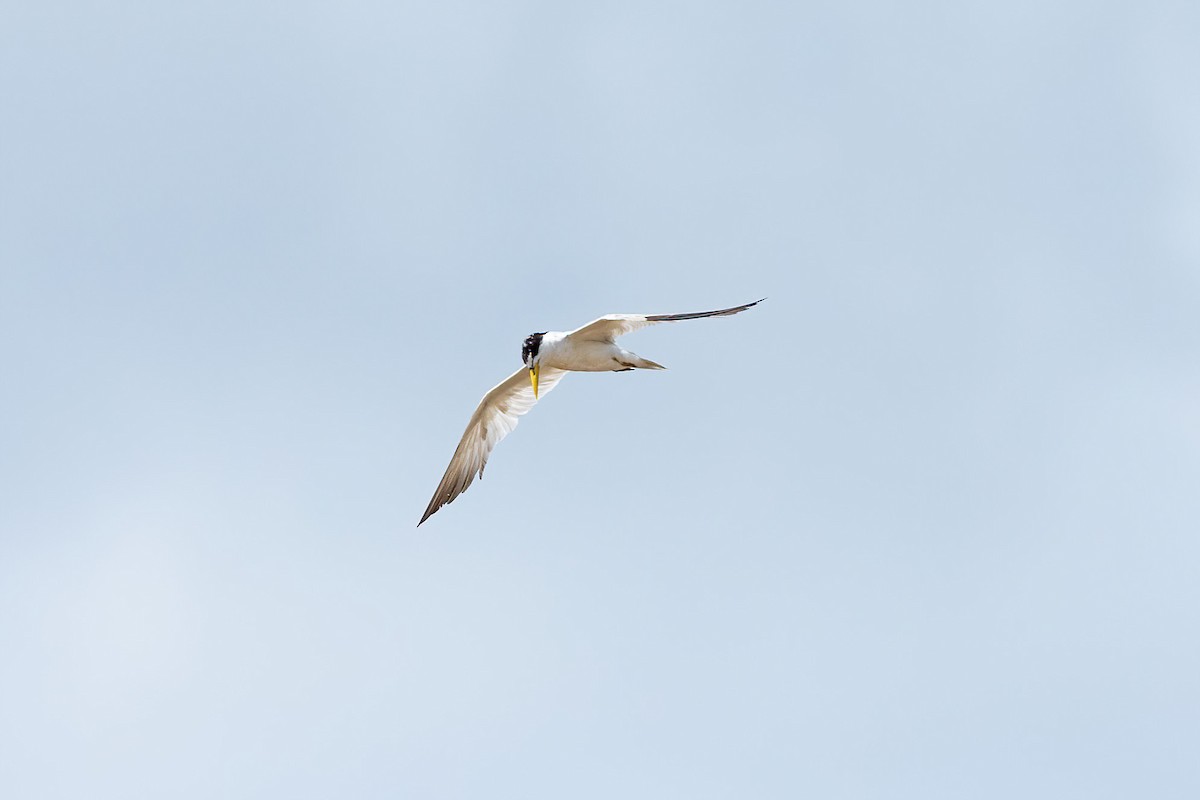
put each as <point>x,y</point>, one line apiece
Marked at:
<point>567,352</point>
<point>547,357</point>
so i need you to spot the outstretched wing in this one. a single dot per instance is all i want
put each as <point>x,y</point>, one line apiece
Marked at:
<point>495,418</point>
<point>609,327</point>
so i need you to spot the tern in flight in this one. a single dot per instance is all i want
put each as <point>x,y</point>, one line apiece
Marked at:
<point>548,356</point>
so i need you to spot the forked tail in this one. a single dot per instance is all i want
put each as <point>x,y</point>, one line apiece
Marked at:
<point>645,363</point>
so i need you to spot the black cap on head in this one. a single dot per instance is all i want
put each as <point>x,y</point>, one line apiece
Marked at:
<point>533,343</point>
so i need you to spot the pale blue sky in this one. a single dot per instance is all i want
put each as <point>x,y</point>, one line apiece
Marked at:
<point>923,525</point>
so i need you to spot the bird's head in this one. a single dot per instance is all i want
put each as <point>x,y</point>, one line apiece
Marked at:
<point>532,358</point>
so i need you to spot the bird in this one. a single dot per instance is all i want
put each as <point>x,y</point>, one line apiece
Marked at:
<point>546,357</point>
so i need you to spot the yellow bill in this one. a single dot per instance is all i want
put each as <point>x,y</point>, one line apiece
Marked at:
<point>533,378</point>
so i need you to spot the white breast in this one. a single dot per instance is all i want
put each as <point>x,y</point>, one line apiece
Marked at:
<point>563,353</point>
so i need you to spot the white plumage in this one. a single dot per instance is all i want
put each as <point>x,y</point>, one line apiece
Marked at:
<point>548,357</point>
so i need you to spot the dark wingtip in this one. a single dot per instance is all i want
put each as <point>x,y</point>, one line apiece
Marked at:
<point>720,312</point>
